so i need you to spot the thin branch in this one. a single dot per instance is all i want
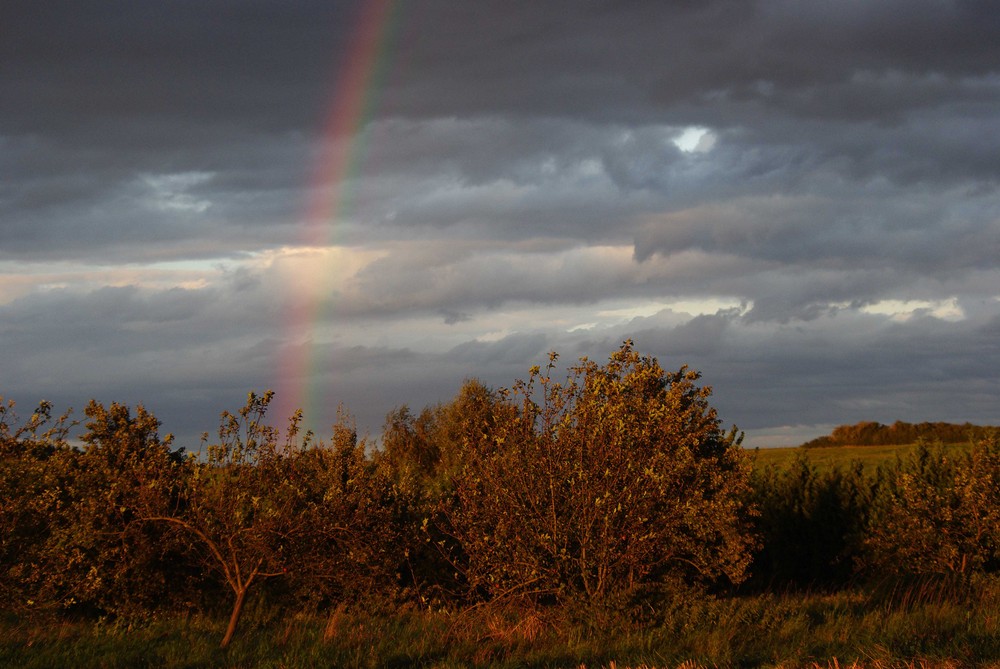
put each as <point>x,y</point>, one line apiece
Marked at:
<point>212,546</point>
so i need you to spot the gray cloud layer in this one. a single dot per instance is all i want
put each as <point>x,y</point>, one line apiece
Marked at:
<point>827,253</point>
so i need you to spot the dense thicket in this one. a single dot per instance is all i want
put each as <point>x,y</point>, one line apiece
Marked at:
<point>615,486</point>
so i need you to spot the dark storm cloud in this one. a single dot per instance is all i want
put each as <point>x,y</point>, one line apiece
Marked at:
<point>84,68</point>
<point>634,60</point>
<point>228,67</point>
<point>102,95</point>
<point>517,156</point>
<point>917,232</point>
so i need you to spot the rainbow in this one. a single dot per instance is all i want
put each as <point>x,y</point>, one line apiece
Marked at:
<point>344,146</point>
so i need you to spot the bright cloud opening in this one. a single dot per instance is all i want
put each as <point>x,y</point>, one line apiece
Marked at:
<point>169,192</point>
<point>904,310</point>
<point>695,139</point>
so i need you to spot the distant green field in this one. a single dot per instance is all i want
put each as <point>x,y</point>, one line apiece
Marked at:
<point>828,457</point>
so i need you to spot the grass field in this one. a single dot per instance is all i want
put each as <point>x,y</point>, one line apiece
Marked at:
<point>828,457</point>
<point>924,625</point>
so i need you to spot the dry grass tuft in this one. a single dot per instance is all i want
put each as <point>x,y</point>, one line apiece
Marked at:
<point>919,663</point>
<point>832,663</point>
<point>510,631</point>
<point>335,623</point>
<point>686,664</point>
<point>502,626</point>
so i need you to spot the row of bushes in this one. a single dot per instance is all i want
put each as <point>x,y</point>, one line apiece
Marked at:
<point>614,488</point>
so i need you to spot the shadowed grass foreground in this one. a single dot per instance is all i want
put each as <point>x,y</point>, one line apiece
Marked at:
<point>922,625</point>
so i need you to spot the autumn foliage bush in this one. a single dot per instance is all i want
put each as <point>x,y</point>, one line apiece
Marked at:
<point>617,480</point>
<point>939,513</point>
<point>614,485</point>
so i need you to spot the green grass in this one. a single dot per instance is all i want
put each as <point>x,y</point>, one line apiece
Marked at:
<point>919,625</point>
<point>828,457</point>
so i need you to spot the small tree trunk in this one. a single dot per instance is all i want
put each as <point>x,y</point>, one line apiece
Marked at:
<point>234,618</point>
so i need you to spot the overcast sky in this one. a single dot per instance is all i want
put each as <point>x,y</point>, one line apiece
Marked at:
<point>797,198</point>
